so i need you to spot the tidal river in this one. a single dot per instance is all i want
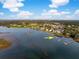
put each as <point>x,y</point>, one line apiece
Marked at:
<point>32,44</point>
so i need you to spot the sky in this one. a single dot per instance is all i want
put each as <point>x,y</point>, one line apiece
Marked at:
<point>39,9</point>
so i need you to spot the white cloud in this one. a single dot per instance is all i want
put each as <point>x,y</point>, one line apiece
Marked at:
<point>12,5</point>
<point>24,14</point>
<point>57,3</point>
<point>65,12</point>
<point>76,12</point>
<point>50,12</point>
<point>14,10</point>
<point>55,14</point>
<point>1,13</point>
<point>59,15</point>
<point>19,15</point>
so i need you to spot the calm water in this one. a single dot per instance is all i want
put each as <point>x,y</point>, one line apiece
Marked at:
<point>31,44</point>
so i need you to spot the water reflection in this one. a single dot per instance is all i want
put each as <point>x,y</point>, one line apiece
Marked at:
<point>30,44</point>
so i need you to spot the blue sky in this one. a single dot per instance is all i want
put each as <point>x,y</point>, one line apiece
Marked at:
<point>39,9</point>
